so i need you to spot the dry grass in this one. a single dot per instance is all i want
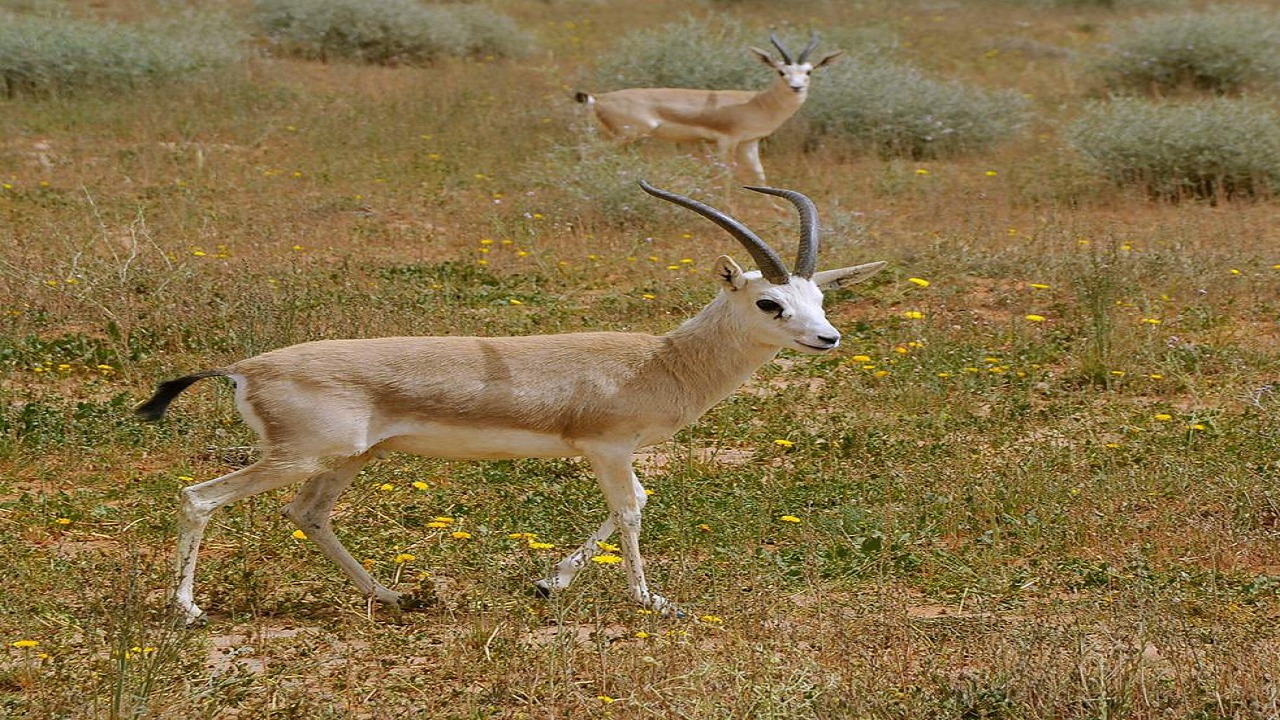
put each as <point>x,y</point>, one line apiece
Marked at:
<point>1001,517</point>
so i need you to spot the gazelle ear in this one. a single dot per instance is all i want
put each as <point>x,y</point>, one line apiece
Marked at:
<point>764,58</point>
<point>828,59</point>
<point>847,276</point>
<point>730,273</point>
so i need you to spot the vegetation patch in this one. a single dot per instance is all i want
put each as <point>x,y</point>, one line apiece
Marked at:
<point>57,56</point>
<point>389,32</point>
<point>686,54</point>
<point>1215,149</point>
<point>893,110</point>
<point>1220,50</point>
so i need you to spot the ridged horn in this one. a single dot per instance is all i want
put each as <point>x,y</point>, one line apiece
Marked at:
<point>786,56</point>
<point>813,44</point>
<point>807,256</point>
<point>771,266</point>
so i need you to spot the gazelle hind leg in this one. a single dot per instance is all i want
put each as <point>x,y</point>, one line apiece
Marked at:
<point>198,504</point>
<point>311,510</point>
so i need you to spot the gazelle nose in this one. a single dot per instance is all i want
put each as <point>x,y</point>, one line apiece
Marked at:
<point>832,340</point>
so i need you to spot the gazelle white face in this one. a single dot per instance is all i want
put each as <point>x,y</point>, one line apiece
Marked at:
<point>795,76</point>
<point>789,316</point>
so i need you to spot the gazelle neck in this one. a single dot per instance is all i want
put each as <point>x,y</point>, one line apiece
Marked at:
<point>714,352</point>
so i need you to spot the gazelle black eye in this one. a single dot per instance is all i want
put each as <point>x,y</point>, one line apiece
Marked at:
<point>770,306</point>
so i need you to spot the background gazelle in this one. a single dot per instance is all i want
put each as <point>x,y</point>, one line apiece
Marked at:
<point>735,120</point>
<point>324,409</point>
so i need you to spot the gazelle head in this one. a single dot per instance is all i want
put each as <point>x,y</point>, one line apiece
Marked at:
<point>780,307</point>
<point>795,73</point>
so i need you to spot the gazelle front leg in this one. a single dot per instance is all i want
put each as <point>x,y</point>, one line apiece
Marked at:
<point>626,499</point>
<point>746,162</point>
<point>567,569</point>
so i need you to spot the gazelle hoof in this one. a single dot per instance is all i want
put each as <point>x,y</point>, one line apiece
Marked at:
<point>411,602</point>
<point>187,620</point>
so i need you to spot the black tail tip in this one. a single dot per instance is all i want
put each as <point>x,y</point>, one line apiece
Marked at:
<point>166,391</point>
<point>582,97</point>
<point>151,410</point>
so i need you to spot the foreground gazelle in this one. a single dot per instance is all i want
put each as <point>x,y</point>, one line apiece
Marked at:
<point>735,120</point>
<point>324,409</point>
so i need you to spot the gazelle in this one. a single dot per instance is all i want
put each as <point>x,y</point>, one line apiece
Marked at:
<point>735,120</point>
<point>324,409</point>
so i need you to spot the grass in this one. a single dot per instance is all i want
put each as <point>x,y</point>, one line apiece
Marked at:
<point>1041,486</point>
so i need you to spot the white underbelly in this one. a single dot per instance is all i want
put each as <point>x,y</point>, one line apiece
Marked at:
<point>475,443</point>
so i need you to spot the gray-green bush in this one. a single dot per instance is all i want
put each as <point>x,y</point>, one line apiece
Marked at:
<point>689,54</point>
<point>55,56</point>
<point>1220,50</point>
<point>895,111</point>
<point>1219,148</point>
<point>388,32</point>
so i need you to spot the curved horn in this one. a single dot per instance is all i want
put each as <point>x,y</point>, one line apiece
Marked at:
<point>807,256</point>
<point>771,266</point>
<point>786,57</point>
<point>813,44</point>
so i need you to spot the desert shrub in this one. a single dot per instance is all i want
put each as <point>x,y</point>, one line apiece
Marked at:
<point>1218,50</point>
<point>895,111</point>
<point>1211,148</point>
<point>388,32</point>
<point>44,56</point>
<point>689,53</point>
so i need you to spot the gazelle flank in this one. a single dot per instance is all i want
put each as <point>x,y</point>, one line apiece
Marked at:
<point>324,409</point>
<point>735,120</point>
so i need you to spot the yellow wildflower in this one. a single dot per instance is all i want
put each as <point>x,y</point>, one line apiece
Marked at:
<point>26,643</point>
<point>789,519</point>
<point>299,535</point>
<point>1035,318</point>
<point>403,558</point>
<point>783,443</point>
<point>918,281</point>
<point>460,535</point>
<point>607,559</point>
